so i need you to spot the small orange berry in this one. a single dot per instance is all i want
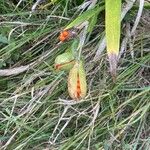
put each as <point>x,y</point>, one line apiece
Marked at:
<point>62,38</point>
<point>66,33</point>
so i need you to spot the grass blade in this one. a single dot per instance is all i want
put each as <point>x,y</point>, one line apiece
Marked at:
<point>113,21</point>
<point>85,16</point>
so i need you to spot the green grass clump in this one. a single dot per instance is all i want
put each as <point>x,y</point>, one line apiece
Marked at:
<point>36,112</point>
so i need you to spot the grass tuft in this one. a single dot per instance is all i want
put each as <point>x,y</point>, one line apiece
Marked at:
<point>36,112</point>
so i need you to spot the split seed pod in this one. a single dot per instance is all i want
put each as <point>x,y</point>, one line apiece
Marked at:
<point>77,85</point>
<point>64,61</point>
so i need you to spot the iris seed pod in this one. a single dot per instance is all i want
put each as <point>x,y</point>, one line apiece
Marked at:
<point>64,61</point>
<point>77,85</point>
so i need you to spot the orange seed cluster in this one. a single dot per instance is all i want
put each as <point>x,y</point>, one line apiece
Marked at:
<point>64,35</point>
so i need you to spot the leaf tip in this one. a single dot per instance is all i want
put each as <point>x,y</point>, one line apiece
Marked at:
<point>113,61</point>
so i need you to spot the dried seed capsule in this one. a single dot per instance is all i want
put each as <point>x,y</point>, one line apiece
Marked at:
<point>77,86</point>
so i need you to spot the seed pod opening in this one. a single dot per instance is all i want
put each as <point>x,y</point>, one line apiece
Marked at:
<point>64,61</point>
<point>77,85</point>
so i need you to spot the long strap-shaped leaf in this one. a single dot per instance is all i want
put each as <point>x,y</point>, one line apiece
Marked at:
<point>112,25</point>
<point>85,16</point>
